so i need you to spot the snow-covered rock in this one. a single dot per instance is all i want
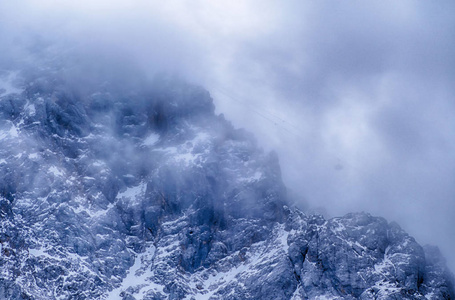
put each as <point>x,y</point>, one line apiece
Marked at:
<point>122,193</point>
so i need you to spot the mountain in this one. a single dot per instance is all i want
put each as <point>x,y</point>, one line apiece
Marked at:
<point>136,189</point>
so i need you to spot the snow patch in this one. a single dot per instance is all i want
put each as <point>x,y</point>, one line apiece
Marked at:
<point>325,297</point>
<point>189,153</point>
<point>385,289</point>
<point>33,156</point>
<point>339,227</point>
<point>133,192</point>
<point>39,253</point>
<point>30,109</point>
<point>12,132</point>
<point>99,163</point>
<point>138,277</point>
<point>151,140</point>
<point>54,170</point>
<point>187,158</point>
<point>262,253</point>
<point>253,178</point>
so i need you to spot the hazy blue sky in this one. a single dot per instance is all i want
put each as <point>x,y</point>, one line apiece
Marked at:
<point>357,98</point>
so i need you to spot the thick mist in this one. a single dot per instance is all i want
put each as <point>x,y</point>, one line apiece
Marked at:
<point>356,98</point>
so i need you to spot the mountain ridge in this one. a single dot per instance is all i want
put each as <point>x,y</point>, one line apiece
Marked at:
<point>139,191</point>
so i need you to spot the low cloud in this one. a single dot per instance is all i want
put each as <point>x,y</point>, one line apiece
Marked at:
<point>357,99</point>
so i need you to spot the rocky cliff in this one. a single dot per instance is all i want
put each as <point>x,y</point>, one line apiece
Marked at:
<point>140,191</point>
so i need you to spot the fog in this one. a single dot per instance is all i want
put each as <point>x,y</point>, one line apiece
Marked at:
<point>356,98</point>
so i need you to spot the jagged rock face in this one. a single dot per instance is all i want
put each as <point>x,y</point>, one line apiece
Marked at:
<point>116,193</point>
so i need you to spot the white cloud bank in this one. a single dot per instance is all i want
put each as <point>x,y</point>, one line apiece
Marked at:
<point>357,98</point>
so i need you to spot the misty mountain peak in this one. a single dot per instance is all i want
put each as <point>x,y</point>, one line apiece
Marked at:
<point>140,191</point>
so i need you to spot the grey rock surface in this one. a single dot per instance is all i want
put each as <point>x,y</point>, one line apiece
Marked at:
<point>121,191</point>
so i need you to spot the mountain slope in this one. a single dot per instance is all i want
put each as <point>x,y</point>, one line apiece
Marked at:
<point>139,191</point>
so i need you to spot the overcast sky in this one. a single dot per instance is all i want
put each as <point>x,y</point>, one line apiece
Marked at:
<point>356,97</point>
